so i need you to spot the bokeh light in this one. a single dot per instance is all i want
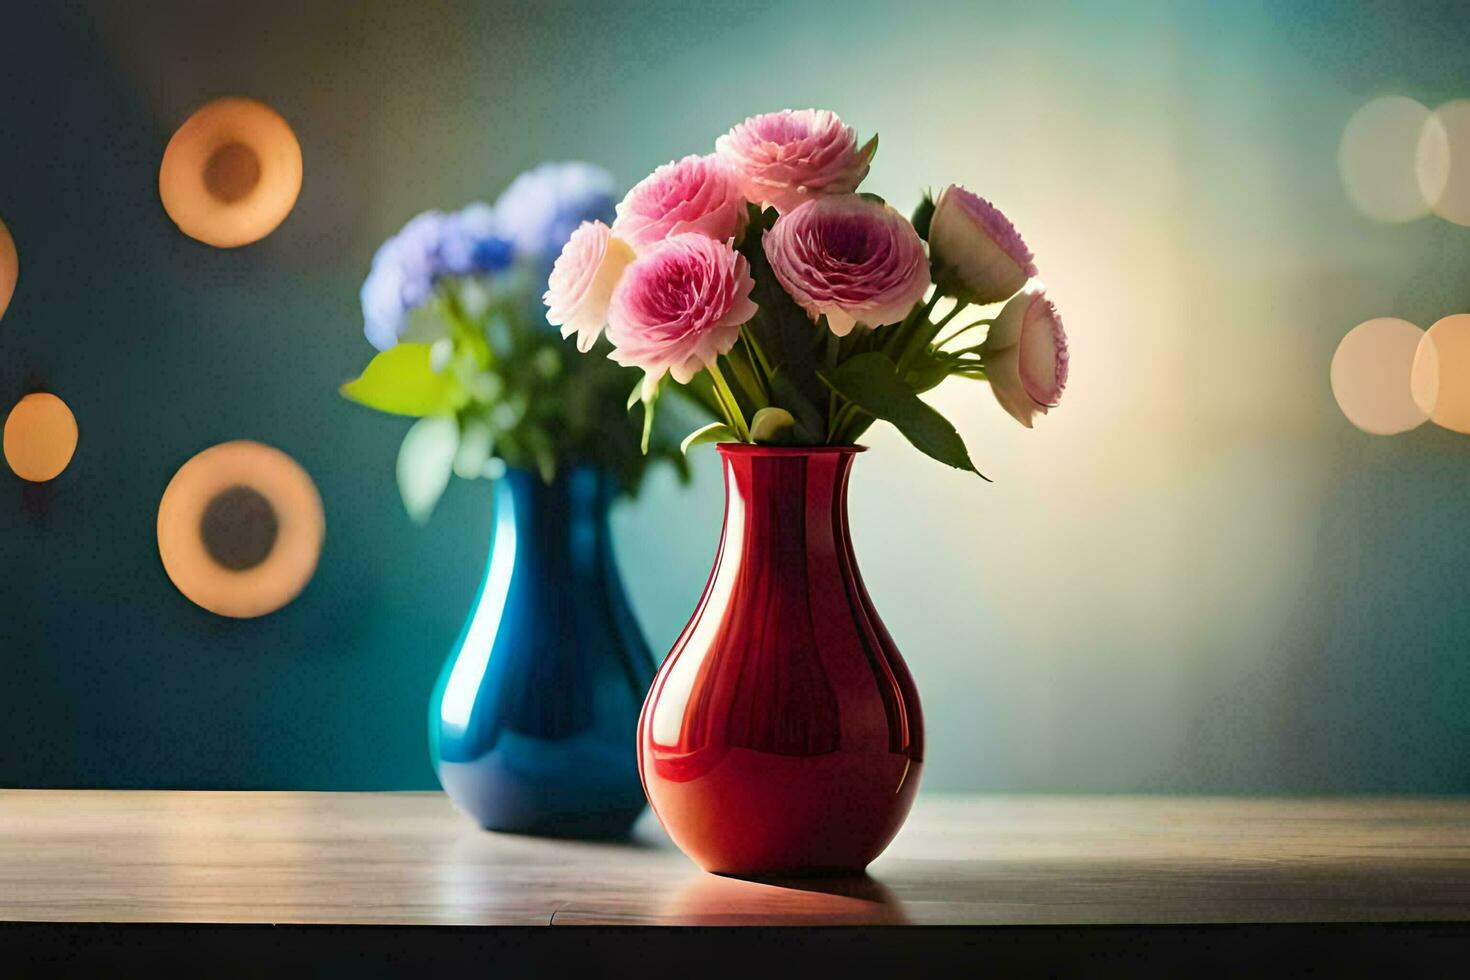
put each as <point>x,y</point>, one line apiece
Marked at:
<point>1441,373</point>
<point>40,437</point>
<point>1444,161</point>
<point>1371,373</point>
<point>1379,159</point>
<point>231,174</point>
<point>9,268</point>
<point>240,529</point>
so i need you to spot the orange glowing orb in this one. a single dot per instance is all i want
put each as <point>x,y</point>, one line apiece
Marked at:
<point>40,437</point>
<point>1444,161</point>
<point>9,267</point>
<point>1441,378</point>
<point>240,529</point>
<point>1371,376</point>
<point>231,174</point>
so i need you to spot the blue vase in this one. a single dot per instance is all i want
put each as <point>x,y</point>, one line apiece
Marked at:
<point>533,722</point>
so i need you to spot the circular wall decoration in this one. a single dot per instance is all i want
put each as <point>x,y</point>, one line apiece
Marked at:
<point>9,267</point>
<point>240,529</point>
<point>231,174</point>
<point>40,437</point>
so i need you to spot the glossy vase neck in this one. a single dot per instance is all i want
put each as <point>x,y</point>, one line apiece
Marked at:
<point>782,502</point>
<point>567,516</point>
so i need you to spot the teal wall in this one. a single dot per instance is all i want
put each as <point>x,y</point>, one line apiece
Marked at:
<point>1193,576</point>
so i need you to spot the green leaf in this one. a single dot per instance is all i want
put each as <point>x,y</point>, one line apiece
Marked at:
<point>714,432</point>
<point>475,445</point>
<point>926,370</point>
<point>650,399</point>
<point>923,215</point>
<point>869,149</point>
<point>401,381</point>
<point>871,382</point>
<point>771,425</point>
<point>425,460</point>
<point>759,220</point>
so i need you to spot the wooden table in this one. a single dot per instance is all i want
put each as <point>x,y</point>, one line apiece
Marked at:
<point>409,860</point>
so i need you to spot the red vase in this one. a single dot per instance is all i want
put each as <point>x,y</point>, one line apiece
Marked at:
<point>782,734</point>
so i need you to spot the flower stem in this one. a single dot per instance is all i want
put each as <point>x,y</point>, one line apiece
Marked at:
<point>472,335</point>
<point>839,422</point>
<point>748,377</point>
<point>961,330</point>
<point>853,426</point>
<point>830,358</point>
<point>958,308</point>
<point>923,335</point>
<point>900,336</point>
<point>727,397</point>
<point>755,349</point>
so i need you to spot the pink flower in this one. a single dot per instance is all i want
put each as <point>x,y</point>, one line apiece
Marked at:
<point>850,259</point>
<point>783,159</point>
<point>581,285</point>
<point>692,194</point>
<point>980,256</point>
<point>1025,356</point>
<point>680,306</point>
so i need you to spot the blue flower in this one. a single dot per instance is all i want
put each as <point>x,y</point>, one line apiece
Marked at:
<point>402,277</point>
<point>432,246</point>
<point>472,243</point>
<point>542,207</point>
<point>530,222</point>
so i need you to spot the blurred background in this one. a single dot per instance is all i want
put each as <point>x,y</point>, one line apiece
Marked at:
<point>1195,575</point>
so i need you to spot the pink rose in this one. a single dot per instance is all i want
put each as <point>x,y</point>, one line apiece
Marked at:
<point>581,285</point>
<point>693,194</point>
<point>783,159</point>
<point>1025,356</point>
<point>980,256</point>
<point>850,259</point>
<point>680,306</point>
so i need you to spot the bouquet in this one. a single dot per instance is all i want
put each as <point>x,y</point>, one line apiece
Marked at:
<point>450,303</point>
<point>800,310</point>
